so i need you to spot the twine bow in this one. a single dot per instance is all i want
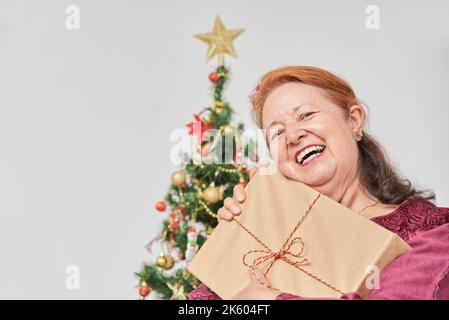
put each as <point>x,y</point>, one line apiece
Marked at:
<point>285,253</point>
<point>281,254</point>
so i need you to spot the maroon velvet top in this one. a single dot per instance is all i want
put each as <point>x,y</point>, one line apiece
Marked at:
<point>421,273</point>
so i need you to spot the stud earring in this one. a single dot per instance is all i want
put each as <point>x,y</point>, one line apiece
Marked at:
<point>358,134</point>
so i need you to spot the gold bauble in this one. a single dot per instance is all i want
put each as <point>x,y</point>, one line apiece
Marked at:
<point>170,262</point>
<point>165,261</point>
<point>161,261</point>
<point>178,178</point>
<point>211,195</point>
<point>228,129</point>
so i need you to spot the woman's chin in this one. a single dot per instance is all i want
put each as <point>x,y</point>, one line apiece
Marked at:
<point>312,176</point>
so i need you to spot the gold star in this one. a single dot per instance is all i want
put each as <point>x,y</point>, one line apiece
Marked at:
<point>220,41</point>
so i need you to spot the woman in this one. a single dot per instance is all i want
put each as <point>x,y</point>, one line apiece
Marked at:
<point>314,126</point>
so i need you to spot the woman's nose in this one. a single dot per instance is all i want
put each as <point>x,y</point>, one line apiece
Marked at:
<point>294,135</point>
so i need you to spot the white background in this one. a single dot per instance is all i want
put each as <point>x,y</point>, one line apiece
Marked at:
<point>85,115</point>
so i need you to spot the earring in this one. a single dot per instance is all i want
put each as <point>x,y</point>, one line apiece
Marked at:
<point>358,134</point>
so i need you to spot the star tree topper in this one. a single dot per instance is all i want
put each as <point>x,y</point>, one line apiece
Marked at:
<point>220,41</point>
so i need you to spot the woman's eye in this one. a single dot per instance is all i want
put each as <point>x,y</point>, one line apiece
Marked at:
<point>277,133</point>
<point>305,115</point>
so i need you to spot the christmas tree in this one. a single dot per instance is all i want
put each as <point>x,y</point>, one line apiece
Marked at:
<point>207,175</point>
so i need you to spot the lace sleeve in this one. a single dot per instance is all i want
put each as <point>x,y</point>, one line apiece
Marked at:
<point>203,293</point>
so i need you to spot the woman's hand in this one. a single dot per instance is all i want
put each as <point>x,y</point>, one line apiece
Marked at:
<point>255,290</point>
<point>231,206</point>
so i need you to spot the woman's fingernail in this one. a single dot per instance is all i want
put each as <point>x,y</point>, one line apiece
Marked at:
<point>228,216</point>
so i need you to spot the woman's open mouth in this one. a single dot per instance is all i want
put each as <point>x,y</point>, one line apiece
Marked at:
<point>309,153</point>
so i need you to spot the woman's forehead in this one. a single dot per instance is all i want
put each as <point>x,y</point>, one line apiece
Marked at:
<point>287,99</point>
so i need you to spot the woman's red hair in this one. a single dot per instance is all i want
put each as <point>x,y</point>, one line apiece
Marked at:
<point>337,90</point>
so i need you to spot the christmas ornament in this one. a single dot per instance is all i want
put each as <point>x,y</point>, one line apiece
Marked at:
<point>178,178</point>
<point>211,195</point>
<point>192,246</point>
<point>170,263</point>
<point>161,206</point>
<point>161,261</point>
<point>220,41</point>
<point>165,261</point>
<point>213,77</point>
<point>144,289</point>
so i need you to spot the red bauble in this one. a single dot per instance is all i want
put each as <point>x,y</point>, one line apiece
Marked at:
<point>144,291</point>
<point>214,77</point>
<point>161,206</point>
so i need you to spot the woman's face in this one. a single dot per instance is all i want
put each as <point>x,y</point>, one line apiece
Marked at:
<point>310,139</point>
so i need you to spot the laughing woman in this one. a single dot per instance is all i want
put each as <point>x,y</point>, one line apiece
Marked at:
<point>314,126</point>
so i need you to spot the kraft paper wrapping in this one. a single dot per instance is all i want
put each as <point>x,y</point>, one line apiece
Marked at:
<point>341,247</point>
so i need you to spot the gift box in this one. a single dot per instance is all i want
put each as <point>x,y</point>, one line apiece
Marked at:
<point>306,243</point>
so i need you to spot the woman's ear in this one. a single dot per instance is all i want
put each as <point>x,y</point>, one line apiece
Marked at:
<point>357,117</point>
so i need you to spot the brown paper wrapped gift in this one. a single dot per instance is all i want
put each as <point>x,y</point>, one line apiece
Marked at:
<point>328,249</point>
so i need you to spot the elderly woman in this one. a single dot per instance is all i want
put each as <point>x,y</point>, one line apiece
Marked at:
<point>314,126</point>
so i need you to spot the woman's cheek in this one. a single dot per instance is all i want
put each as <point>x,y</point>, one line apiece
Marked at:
<point>289,170</point>
<point>279,152</point>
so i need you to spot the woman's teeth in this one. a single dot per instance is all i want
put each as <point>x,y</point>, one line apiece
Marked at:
<point>309,153</point>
